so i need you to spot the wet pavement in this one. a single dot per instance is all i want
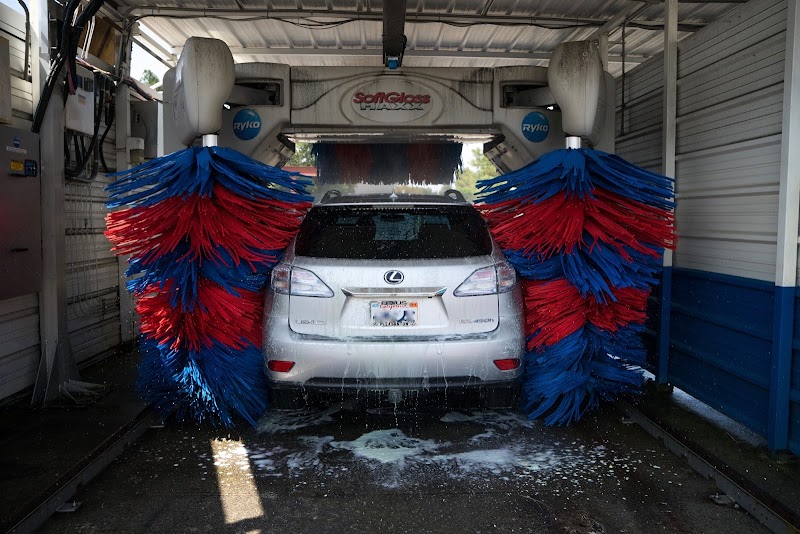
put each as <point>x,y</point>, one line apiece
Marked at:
<point>40,446</point>
<point>415,470</point>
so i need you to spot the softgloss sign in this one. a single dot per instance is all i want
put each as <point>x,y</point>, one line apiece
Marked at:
<point>391,101</point>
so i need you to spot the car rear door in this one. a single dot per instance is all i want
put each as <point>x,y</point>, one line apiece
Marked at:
<point>364,304</point>
<point>393,271</point>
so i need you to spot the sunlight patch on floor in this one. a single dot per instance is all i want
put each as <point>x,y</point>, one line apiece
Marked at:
<point>237,487</point>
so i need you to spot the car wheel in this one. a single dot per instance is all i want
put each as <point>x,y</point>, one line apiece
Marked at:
<point>285,399</point>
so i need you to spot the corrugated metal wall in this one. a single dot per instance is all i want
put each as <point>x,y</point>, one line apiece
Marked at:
<point>92,278</point>
<point>92,271</point>
<point>19,317</point>
<point>12,27</point>
<point>729,121</point>
<point>730,108</point>
<point>640,105</point>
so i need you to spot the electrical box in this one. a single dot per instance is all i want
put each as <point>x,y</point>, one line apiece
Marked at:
<point>20,213</point>
<point>5,82</point>
<point>146,120</point>
<point>80,106</point>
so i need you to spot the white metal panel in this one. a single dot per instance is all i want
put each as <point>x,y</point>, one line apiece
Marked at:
<point>92,270</point>
<point>12,27</point>
<point>639,114</point>
<point>19,343</point>
<point>730,103</point>
<point>733,36</point>
<point>746,117</point>
<point>732,257</point>
<point>19,317</point>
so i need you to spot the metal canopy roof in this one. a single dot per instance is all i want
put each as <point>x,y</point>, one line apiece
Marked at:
<point>441,33</point>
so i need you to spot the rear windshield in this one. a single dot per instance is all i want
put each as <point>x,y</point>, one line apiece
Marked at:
<point>389,233</point>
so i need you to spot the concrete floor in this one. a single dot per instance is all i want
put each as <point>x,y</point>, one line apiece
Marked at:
<point>38,446</point>
<point>410,471</point>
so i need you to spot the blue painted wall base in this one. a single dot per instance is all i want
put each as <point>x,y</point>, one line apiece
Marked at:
<point>734,343</point>
<point>780,377</point>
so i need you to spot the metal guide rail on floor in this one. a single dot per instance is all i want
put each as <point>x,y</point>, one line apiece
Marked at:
<point>33,514</point>
<point>751,498</point>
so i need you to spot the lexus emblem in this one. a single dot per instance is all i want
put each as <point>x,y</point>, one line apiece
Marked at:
<point>393,277</point>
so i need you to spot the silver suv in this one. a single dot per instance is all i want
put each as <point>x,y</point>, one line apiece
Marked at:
<point>397,296</point>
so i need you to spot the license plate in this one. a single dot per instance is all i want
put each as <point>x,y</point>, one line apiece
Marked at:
<point>394,313</point>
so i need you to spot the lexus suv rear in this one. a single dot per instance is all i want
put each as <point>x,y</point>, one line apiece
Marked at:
<point>395,295</point>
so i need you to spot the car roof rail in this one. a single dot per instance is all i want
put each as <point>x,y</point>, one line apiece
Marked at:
<point>330,195</point>
<point>455,194</point>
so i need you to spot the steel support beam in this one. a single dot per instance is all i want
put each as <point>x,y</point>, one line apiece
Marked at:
<point>159,52</point>
<point>786,261</point>
<point>122,118</point>
<point>617,20</point>
<point>56,364</point>
<point>602,33</point>
<point>138,13</point>
<point>669,128</point>
<point>377,52</point>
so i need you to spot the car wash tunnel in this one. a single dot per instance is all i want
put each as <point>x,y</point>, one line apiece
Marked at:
<point>399,266</point>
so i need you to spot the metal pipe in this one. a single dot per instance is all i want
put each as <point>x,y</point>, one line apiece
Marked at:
<point>210,139</point>
<point>27,40</point>
<point>574,141</point>
<point>622,104</point>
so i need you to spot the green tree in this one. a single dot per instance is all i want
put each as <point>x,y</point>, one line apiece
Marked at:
<point>479,168</point>
<point>149,78</point>
<point>466,182</point>
<point>303,156</point>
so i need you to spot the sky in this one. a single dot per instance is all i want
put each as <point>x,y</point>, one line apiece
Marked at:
<point>13,4</point>
<point>141,60</point>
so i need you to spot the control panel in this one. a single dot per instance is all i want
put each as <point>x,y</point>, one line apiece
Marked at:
<point>20,213</point>
<point>80,107</point>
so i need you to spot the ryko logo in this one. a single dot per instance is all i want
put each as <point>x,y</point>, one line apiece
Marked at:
<point>246,124</point>
<point>535,127</point>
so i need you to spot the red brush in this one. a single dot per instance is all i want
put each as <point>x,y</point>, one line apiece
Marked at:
<point>555,309</point>
<point>560,223</point>
<point>234,321</point>
<point>242,226</point>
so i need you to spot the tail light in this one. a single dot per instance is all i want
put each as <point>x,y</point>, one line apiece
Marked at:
<point>507,364</point>
<point>280,366</point>
<point>288,280</point>
<point>499,278</point>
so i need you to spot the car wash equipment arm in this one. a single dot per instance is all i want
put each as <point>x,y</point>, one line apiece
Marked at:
<point>586,231</point>
<point>202,228</point>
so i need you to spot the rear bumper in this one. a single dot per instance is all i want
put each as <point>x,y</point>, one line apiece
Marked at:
<point>331,364</point>
<point>330,386</point>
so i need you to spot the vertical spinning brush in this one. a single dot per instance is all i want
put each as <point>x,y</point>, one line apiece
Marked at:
<point>586,231</point>
<point>203,228</point>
